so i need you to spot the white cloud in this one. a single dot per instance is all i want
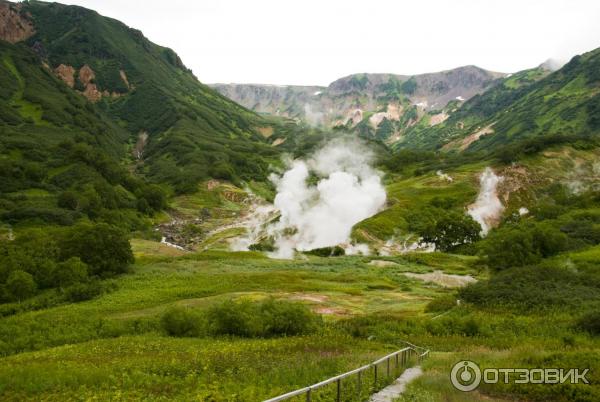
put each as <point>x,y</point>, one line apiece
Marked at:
<point>315,42</point>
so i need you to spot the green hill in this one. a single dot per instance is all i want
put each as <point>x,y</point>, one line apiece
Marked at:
<point>91,111</point>
<point>180,130</point>
<point>59,152</point>
<point>524,106</point>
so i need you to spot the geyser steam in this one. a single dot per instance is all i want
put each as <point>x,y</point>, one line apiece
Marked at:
<point>487,209</point>
<point>348,190</point>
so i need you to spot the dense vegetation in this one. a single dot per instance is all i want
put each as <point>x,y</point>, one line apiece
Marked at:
<point>194,133</point>
<point>92,306</point>
<point>68,260</point>
<point>523,106</point>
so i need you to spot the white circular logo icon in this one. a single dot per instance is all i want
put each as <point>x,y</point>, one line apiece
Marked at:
<point>465,375</point>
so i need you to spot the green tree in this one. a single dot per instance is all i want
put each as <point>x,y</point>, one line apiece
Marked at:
<point>20,285</point>
<point>70,272</point>
<point>446,230</point>
<point>155,196</point>
<point>549,240</point>
<point>104,248</point>
<point>511,247</point>
<point>68,200</point>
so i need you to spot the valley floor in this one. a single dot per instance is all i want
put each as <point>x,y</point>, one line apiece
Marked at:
<point>113,347</point>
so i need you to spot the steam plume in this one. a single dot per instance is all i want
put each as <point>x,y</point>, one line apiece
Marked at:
<point>487,208</point>
<point>348,190</point>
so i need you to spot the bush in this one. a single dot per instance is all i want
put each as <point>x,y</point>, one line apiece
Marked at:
<point>20,285</point>
<point>523,244</point>
<point>181,322</point>
<point>441,304</point>
<point>510,247</point>
<point>335,251</point>
<point>285,318</point>
<point>69,272</point>
<point>68,200</point>
<point>265,319</point>
<point>590,323</point>
<point>535,288</point>
<point>83,291</point>
<point>104,248</point>
<point>235,318</point>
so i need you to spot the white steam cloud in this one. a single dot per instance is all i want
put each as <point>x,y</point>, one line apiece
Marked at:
<point>347,191</point>
<point>487,209</point>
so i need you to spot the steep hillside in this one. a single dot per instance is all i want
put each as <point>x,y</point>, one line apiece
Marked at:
<point>59,153</point>
<point>183,131</point>
<point>380,105</point>
<point>526,105</point>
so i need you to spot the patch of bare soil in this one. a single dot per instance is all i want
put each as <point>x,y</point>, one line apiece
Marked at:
<point>330,311</point>
<point>382,263</point>
<point>265,131</point>
<point>442,279</point>
<point>309,297</point>
<point>471,138</point>
<point>438,119</point>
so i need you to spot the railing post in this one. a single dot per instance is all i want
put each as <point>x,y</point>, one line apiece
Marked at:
<point>397,368</point>
<point>388,366</point>
<point>308,396</point>
<point>339,389</point>
<point>359,383</point>
<point>375,380</point>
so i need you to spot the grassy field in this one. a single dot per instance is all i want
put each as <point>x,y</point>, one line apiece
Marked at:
<point>114,348</point>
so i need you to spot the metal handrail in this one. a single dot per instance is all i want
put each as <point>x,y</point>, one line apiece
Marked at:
<point>337,379</point>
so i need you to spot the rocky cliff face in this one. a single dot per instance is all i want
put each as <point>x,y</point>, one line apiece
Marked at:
<point>369,98</point>
<point>15,26</point>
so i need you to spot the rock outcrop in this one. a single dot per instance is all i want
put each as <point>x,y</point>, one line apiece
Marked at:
<point>15,26</point>
<point>87,77</point>
<point>66,73</point>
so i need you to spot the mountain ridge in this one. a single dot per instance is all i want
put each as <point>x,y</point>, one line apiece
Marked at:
<point>347,101</point>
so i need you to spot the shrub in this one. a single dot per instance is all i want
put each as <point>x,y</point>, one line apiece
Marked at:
<point>510,247</point>
<point>335,251</point>
<point>83,291</point>
<point>590,322</point>
<point>104,248</point>
<point>264,319</point>
<point>285,318</point>
<point>237,318</point>
<point>441,304</point>
<point>68,200</point>
<point>535,289</point>
<point>69,272</point>
<point>523,244</point>
<point>181,322</point>
<point>20,285</point>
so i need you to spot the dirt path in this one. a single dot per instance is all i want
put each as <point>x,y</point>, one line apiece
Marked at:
<point>393,391</point>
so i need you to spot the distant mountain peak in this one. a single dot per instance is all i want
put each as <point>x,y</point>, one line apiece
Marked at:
<point>552,64</point>
<point>377,100</point>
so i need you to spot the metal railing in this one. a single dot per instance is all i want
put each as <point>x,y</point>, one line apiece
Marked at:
<point>393,361</point>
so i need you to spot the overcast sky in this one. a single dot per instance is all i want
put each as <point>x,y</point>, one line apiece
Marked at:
<point>318,41</point>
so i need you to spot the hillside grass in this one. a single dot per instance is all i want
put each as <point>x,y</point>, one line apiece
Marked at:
<point>113,347</point>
